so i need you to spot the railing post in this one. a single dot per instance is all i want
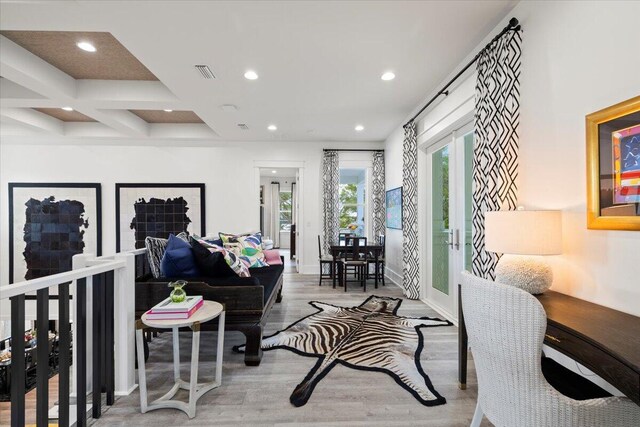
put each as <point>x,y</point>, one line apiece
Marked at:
<point>42,353</point>
<point>96,344</point>
<point>85,353</point>
<point>124,314</point>
<point>64,347</point>
<point>17,362</point>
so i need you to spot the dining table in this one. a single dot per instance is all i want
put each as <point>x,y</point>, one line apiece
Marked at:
<point>376,251</point>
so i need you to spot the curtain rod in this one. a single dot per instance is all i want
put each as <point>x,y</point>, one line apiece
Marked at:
<point>512,26</point>
<point>346,149</point>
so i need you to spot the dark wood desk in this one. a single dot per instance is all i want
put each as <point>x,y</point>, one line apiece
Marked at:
<point>604,340</point>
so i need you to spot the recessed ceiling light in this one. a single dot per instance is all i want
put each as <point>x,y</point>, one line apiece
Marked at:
<point>168,111</point>
<point>359,128</point>
<point>388,76</point>
<point>86,46</point>
<point>272,127</point>
<point>250,75</point>
<point>274,171</point>
<point>67,108</point>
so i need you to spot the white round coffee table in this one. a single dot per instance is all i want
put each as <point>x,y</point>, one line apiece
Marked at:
<point>209,310</point>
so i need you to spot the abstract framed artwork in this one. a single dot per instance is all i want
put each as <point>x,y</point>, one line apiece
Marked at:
<point>157,210</point>
<point>613,167</point>
<point>49,223</point>
<point>394,208</point>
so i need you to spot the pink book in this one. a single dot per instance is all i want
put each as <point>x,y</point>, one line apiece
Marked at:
<point>169,315</point>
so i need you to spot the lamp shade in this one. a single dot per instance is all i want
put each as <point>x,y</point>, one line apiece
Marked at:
<point>523,232</point>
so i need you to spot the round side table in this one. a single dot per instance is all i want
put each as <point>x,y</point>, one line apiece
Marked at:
<point>209,310</point>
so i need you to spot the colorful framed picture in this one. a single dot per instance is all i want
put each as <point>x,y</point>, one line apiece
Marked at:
<point>613,167</point>
<point>49,223</point>
<point>157,210</point>
<point>394,208</point>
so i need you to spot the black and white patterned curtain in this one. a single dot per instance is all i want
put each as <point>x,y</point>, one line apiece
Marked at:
<point>377,195</point>
<point>330,199</point>
<point>495,154</point>
<point>410,256</point>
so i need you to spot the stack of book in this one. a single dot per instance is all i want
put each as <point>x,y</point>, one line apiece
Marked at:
<point>167,309</point>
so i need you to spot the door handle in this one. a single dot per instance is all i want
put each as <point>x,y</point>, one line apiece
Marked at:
<point>450,242</point>
<point>457,239</point>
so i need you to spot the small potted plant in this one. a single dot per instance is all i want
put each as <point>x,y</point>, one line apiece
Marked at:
<point>178,294</point>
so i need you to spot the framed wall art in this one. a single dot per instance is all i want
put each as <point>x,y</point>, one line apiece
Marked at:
<point>157,210</point>
<point>394,208</point>
<point>49,223</point>
<point>613,167</point>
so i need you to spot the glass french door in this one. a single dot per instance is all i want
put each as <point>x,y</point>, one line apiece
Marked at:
<point>449,164</point>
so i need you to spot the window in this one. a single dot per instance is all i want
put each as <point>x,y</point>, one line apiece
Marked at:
<point>285,211</point>
<point>353,201</point>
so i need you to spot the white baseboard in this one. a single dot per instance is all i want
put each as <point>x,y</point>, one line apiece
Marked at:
<point>441,311</point>
<point>126,392</point>
<point>394,277</point>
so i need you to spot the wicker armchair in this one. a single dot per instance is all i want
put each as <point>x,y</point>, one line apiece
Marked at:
<point>506,328</point>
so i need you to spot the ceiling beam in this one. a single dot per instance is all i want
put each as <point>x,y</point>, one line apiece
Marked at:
<point>26,69</point>
<point>33,119</point>
<point>31,72</point>
<point>181,131</point>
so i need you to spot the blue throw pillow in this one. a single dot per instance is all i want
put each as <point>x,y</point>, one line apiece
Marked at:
<point>178,259</point>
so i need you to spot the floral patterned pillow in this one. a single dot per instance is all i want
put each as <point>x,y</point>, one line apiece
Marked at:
<point>237,265</point>
<point>247,247</point>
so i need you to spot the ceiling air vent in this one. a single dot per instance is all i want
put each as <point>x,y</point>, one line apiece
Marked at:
<point>243,126</point>
<point>205,71</point>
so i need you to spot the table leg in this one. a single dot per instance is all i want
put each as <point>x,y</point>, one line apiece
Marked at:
<point>377,268</point>
<point>176,354</point>
<point>220,349</point>
<point>142,376</point>
<point>193,382</point>
<point>335,263</point>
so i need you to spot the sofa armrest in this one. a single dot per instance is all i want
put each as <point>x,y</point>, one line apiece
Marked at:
<point>244,297</point>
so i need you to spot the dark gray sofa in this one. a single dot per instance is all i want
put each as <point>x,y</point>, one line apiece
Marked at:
<point>247,300</point>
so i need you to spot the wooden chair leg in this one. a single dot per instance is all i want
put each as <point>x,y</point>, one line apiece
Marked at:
<point>364,277</point>
<point>344,277</point>
<point>320,281</point>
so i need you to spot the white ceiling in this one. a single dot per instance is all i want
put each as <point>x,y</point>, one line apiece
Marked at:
<point>319,64</point>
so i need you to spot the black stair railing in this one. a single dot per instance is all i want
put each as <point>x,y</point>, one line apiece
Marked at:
<point>103,340</point>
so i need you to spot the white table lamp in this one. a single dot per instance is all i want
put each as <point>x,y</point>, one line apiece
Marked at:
<point>523,236</point>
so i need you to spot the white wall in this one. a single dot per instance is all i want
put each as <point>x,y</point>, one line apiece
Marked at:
<point>393,179</point>
<point>576,60</point>
<point>227,169</point>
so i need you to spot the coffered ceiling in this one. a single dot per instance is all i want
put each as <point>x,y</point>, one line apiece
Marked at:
<point>65,116</point>
<point>161,116</point>
<point>111,61</point>
<point>319,66</point>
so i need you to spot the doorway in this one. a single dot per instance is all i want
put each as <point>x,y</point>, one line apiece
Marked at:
<point>280,215</point>
<point>448,218</point>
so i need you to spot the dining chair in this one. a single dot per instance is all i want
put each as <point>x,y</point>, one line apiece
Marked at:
<point>506,328</point>
<point>324,260</point>
<point>342,237</point>
<point>356,256</point>
<point>379,269</point>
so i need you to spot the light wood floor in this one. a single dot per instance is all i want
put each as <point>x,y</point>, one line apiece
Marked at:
<point>252,396</point>
<point>30,404</point>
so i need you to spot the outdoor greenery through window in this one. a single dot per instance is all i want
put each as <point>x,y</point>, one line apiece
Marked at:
<point>285,211</point>
<point>352,201</point>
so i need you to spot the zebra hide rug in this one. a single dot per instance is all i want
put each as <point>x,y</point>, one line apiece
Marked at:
<point>369,337</point>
